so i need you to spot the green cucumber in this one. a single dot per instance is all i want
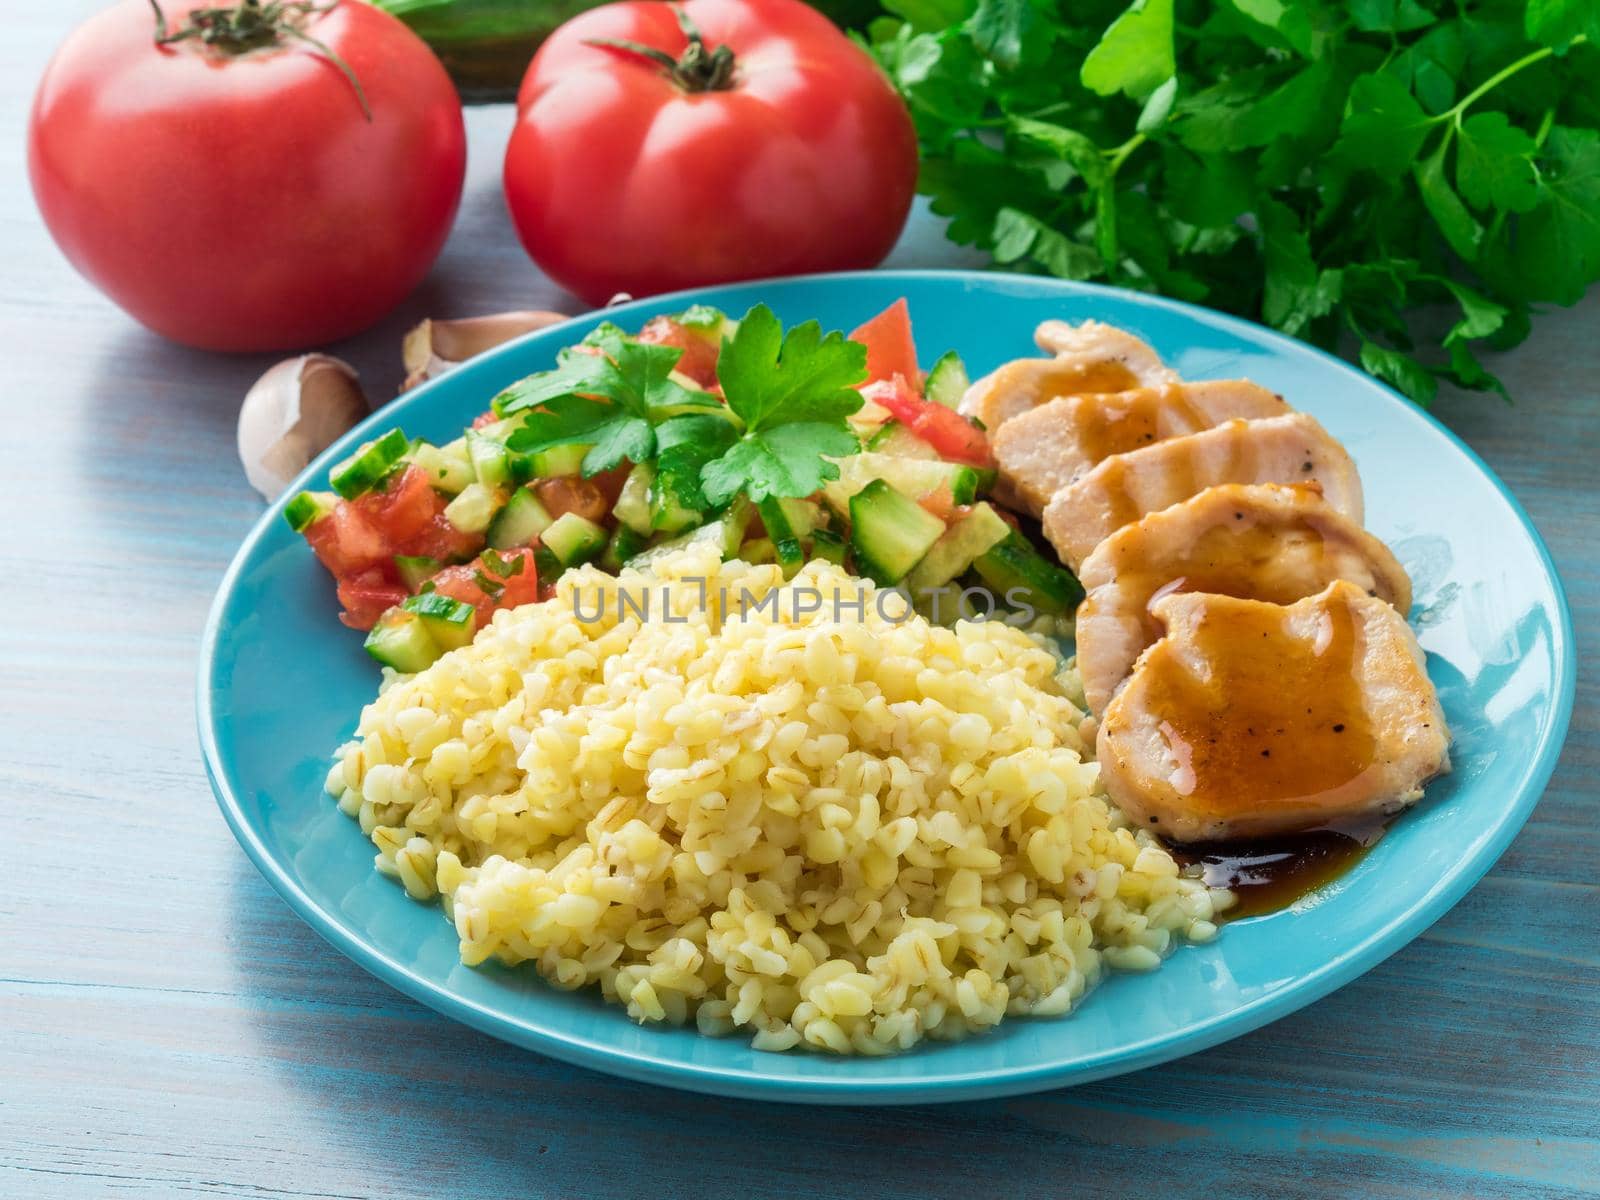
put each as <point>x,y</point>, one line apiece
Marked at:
<point>758,551</point>
<point>449,471</point>
<point>573,539</point>
<point>910,477</point>
<point>475,507</point>
<point>894,438</point>
<point>889,532</point>
<point>519,522</point>
<point>368,467</point>
<point>416,569</point>
<point>556,461</point>
<point>667,515</point>
<point>491,461</point>
<point>625,543</point>
<point>451,623</point>
<point>948,381</point>
<point>787,550</point>
<point>726,532</point>
<point>974,534</point>
<point>827,545</point>
<point>804,515</point>
<point>306,509</point>
<point>1013,568</point>
<point>546,565</point>
<point>633,502</point>
<point>400,640</point>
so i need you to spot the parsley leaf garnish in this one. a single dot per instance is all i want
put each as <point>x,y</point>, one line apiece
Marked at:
<point>791,393</point>
<point>608,395</point>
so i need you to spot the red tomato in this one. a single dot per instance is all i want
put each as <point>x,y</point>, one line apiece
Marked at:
<point>367,596</point>
<point>946,430</point>
<point>787,152</point>
<point>890,350</point>
<point>520,585</point>
<point>568,493</point>
<point>700,349</point>
<point>347,542</point>
<point>409,515</point>
<point>245,201</point>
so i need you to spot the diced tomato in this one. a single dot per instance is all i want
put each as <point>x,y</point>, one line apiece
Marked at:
<point>946,430</point>
<point>610,483</point>
<point>700,349</point>
<point>890,350</point>
<point>367,596</point>
<point>570,493</point>
<point>943,505</point>
<point>485,418</point>
<point>405,509</point>
<point>347,542</point>
<point>518,584</point>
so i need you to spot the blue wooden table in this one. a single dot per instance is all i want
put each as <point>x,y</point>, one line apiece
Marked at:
<point>169,1028</point>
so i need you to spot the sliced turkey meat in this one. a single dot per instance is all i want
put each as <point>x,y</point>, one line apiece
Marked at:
<point>1265,541</point>
<point>1119,490</point>
<point>1040,451</point>
<point>1249,718</point>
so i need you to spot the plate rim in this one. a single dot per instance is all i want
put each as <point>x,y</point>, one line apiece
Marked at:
<point>935,1086</point>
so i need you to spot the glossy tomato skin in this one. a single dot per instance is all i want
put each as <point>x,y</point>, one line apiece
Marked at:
<point>620,180</point>
<point>246,203</point>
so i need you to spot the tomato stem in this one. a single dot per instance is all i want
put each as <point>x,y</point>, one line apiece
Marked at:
<point>697,69</point>
<point>251,25</point>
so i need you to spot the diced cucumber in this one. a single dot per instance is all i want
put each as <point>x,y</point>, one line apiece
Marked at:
<point>448,471</point>
<point>491,461</point>
<point>912,477</point>
<point>625,543</point>
<point>889,532</point>
<point>451,623</point>
<point>633,502</point>
<point>546,564</point>
<point>758,551</point>
<point>400,640</point>
<point>474,508</point>
<point>825,544</point>
<point>416,569</point>
<point>306,509</point>
<point>557,461</point>
<point>519,522</point>
<point>667,515</point>
<point>1020,574</point>
<point>976,533</point>
<point>804,515</point>
<point>894,438</point>
<point>785,538</point>
<point>986,478</point>
<point>574,539</point>
<point>369,466</point>
<point>725,532</point>
<point>948,381</point>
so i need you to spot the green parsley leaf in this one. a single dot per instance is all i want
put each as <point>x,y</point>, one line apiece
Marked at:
<point>1383,127</point>
<point>1402,372</point>
<point>1007,29</point>
<point>770,377</point>
<point>1135,54</point>
<point>1480,316</point>
<point>1558,242</point>
<point>610,401</point>
<point>1494,164</point>
<point>785,460</point>
<point>791,393</point>
<point>1459,226</point>
<point>1558,23</point>
<point>684,446</point>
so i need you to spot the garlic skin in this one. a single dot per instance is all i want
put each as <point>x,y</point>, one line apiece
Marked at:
<point>291,414</point>
<point>433,347</point>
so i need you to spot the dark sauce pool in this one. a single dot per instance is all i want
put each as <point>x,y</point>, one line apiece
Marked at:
<point>1270,874</point>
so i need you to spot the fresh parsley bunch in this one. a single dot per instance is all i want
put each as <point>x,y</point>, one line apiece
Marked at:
<point>785,397</point>
<point>1327,168</point>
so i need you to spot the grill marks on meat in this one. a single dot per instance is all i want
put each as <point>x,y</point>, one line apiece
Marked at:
<point>1044,449</point>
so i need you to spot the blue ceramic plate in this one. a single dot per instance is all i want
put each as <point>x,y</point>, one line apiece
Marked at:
<point>282,682</point>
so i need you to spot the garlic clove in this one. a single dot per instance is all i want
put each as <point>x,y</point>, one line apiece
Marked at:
<point>293,413</point>
<point>433,347</point>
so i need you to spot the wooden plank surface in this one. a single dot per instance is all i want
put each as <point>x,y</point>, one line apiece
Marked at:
<point>169,1028</point>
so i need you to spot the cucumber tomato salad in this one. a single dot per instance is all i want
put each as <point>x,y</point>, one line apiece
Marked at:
<point>776,446</point>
